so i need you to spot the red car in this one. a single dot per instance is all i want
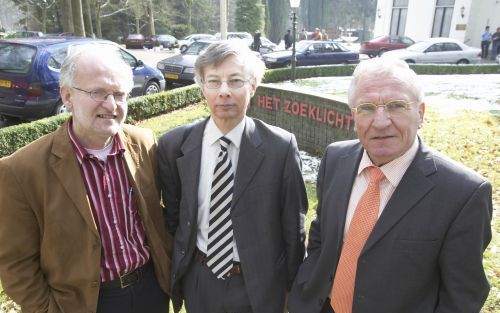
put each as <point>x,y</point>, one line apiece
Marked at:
<point>382,44</point>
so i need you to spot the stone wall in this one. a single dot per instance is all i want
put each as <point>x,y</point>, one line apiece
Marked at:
<point>316,120</point>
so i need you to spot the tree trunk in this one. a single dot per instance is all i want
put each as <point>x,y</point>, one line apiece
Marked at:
<point>78,18</point>
<point>67,17</point>
<point>88,18</point>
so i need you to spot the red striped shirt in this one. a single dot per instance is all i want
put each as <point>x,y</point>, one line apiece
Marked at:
<point>114,209</point>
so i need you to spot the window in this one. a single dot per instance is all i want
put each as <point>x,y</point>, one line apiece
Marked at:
<point>451,46</point>
<point>398,18</point>
<point>16,58</point>
<point>442,18</point>
<point>56,59</point>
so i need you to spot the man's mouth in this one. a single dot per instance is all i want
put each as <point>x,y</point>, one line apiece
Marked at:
<point>107,116</point>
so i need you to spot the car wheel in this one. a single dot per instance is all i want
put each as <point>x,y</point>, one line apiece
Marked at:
<point>151,88</point>
<point>371,56</point>
<point>60,108</point>
<point>410,61</point>
<point>288,64</point>
<point>381,52</point>
<point>463,61</point>
<point>183,48</point>
<point>344,62</point>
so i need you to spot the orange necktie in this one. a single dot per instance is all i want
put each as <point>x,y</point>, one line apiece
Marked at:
<point>362,224</point>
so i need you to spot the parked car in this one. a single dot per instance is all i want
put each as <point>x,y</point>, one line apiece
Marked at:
<point>29,75</point>
<point>267,46</point>
<point>438,50</point>
<point>498,59</point>
<point>135,41</point>
<point>185,41</point>
<point>166,41</point>
<point>236,35</point>
<point>311,52</point>
<point>179,69</point>
<point>382,44</point>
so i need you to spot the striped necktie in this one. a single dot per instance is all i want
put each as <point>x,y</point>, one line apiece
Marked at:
<point>220,227</point>
<point>364,219</point>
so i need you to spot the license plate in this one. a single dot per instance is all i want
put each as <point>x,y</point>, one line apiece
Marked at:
<point>5,83</point>
<point>172,76</point>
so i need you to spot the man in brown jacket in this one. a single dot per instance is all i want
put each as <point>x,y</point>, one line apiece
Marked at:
<point>82,227</point>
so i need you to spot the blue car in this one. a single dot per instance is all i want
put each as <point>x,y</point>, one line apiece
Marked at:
<point>311,52</point>
<point>29,75</point>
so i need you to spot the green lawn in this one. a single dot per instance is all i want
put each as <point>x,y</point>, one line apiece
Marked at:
<point>470,137</point>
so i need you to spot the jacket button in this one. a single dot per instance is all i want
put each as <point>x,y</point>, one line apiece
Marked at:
<point>183,252</point>
<point>188,224</point>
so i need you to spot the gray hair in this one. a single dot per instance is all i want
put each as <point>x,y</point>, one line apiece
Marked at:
<point>386,67</point>
<point>217,52</point>
<point>108,54</point>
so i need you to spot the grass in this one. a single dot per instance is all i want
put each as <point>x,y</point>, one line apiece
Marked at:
<point>469,137</point>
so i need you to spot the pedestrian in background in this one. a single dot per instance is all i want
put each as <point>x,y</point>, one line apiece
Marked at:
<point>324,34</point>
<point>256,41</point>
<point>485,42</point>
<point>495,39</point>
<point>288,39</point>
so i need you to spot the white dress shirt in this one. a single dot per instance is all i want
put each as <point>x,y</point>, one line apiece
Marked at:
<point>393,172</point>
<point>209,152</point>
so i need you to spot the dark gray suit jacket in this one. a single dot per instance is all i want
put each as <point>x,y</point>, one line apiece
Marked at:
<point>268,208</point>
<point>425,252</point>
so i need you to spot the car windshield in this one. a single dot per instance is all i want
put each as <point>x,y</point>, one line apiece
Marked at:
<point>418,47</point>
<point>302,46</point>
<point>196,48</point>
<point>165,37</point>
<point>135,36</point>
<point>15,58</point>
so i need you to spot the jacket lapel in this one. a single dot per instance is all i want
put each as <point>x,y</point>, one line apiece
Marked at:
<point>249,159</point>
<point>413,186</point>
<point>67,170</point>
<point>188,166</point>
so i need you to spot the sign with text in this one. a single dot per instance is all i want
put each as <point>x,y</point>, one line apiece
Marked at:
<point>315,120</point>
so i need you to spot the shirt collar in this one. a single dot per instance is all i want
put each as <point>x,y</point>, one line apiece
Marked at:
<point>395,169</point>
<point>81,152</point>
<point>213,133</point>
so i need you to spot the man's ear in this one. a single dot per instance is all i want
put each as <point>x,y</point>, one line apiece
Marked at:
<point>66,97</point>
<point>421,111</point>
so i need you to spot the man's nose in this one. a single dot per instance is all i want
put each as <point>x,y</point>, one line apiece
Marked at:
<point>381,118</point>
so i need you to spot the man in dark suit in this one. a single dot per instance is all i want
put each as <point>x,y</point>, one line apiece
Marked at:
<point>399,227</point>
<point>82,224</point>
<point>239,230</point>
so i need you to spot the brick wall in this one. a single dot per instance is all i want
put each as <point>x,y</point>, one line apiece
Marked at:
<point>315,120</point>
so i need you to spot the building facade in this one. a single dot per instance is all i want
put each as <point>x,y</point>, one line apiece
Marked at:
<point>463,20</point>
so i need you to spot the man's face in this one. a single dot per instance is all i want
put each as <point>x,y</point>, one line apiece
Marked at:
<point>95,122</point>
<point>227,105</point>
<point>386,137</point>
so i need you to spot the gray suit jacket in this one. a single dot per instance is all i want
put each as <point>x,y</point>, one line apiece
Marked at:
<point>268,208</point>
<point>425,252</point>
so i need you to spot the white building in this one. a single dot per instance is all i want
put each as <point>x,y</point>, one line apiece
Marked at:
<point>463,20</point>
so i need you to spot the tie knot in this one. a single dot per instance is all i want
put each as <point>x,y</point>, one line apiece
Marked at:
<point>224,143</point>
<point>376,174</point>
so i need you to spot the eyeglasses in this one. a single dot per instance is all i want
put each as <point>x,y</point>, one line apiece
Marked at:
<point>100,95</point>
<point>392,107</point>
<point>233,83</point>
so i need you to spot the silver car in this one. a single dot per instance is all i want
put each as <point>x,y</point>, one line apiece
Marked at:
<point>438,50</point>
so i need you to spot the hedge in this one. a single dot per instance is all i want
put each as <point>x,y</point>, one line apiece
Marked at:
<point>17,136</point>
